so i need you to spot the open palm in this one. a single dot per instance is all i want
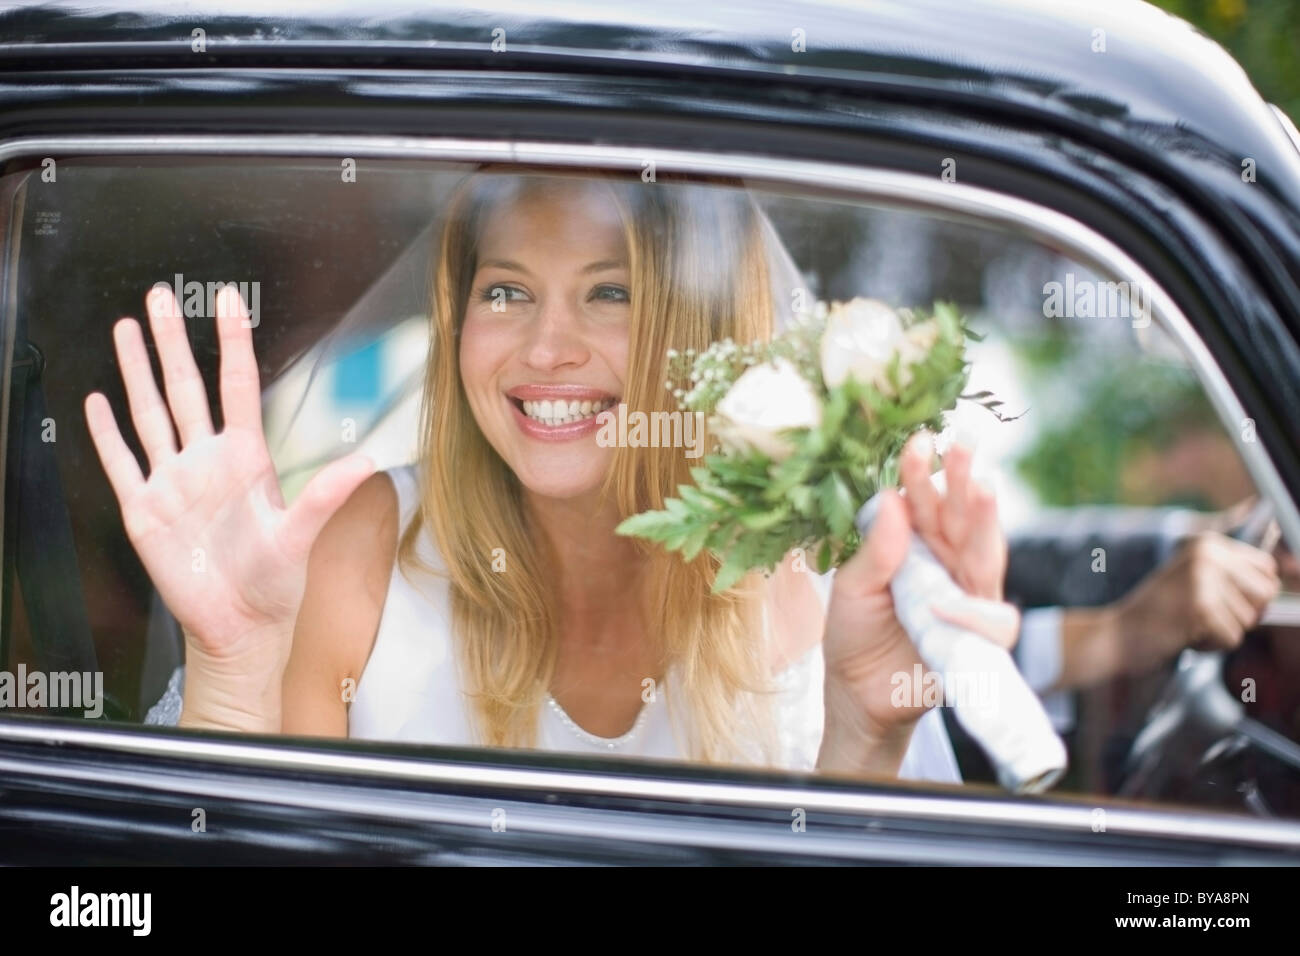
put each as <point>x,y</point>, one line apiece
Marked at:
<point>209,523</point>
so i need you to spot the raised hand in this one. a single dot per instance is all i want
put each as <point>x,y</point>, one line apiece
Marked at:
<point>865,645</point>
<point>209,522</point>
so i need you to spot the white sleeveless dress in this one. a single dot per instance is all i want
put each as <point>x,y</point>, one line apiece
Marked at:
<point>410,689</point>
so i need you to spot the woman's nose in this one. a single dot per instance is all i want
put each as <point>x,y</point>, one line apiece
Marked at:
<point>554,337</point>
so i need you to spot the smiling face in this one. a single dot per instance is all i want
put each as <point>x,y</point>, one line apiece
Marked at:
<point>544,339</point>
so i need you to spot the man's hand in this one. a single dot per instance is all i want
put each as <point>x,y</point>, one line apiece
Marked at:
<point>1208,595</point>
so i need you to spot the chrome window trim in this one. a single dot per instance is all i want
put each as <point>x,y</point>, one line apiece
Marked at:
<point>859,183</point>
<point>1078,818</point>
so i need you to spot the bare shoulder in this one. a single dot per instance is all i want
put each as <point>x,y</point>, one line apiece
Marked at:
<point>359,543</point>
<point>347,584</point>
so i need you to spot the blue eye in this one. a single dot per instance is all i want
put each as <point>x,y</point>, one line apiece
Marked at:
<point>610,293</point>
<point>499,292</point>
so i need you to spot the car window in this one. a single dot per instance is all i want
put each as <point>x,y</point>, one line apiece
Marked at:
<point>1119,484</point>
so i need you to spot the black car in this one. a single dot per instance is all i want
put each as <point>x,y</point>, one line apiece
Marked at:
<point>983,152</point>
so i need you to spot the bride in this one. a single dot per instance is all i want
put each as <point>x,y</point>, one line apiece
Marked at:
<point>481,596</point>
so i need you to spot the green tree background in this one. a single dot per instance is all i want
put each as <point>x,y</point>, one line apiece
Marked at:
<point>1130,405</point>
<point>1263,36</point>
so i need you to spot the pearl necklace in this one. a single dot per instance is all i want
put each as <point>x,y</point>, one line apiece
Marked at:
<point>610,743</point>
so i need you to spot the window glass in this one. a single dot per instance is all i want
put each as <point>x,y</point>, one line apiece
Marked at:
<point>1119,489</point>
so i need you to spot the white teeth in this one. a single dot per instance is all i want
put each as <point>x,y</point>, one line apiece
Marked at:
<point>562,413</point>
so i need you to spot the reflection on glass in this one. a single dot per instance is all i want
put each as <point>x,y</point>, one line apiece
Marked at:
<point>461,329</point>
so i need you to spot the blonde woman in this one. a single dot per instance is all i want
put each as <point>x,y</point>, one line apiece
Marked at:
<point>481,596</point>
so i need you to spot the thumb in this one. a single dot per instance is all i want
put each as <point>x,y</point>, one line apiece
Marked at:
<point>870,570</point>
<point>324,495</point>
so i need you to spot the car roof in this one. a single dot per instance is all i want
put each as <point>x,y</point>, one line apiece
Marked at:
<point>1120,75</point>
<point>1154,67</point>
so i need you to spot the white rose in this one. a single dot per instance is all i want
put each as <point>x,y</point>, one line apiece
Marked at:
<point>861,339</point>
<point>764,400</point>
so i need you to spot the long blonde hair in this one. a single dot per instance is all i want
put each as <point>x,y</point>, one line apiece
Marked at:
<point>699,274</point>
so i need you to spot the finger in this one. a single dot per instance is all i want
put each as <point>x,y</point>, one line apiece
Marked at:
<point>923,509</point>
<point>954,509</point>
<point>152,422</point>
<point>984,561</point>
<point>241,395</point>
<point>870,570</point>
<point>1241,553</point>
<point>997,621</point>
<point>1214,621</point>
<point>119,464</point>
<point>1259,587</point>
<point>922,497</point>
<point>1252,569</point>
<point>1271,536</point>
<point>1234,515</point>
<point>185,393</point>
<point>323,496</point>
<point>1224,629</point>
<point>1243,612</point>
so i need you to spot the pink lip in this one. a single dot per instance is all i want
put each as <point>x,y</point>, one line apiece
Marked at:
<point>537,393</point>
<point>535,429</point>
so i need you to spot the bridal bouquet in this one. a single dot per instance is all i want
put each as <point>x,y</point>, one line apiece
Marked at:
<point>810,426</point>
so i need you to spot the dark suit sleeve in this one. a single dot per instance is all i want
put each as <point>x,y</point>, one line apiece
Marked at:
<point>1091,556</point>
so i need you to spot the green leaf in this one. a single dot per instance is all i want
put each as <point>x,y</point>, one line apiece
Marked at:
<point>695,498</point>
<point>824,557</point>
<point>677,508</point>
<point>654,525</point>
<point>762,520</point>
<point>837,504</point>
<point>733,569</point>
<point>801,498</point>
<point>695,542</point>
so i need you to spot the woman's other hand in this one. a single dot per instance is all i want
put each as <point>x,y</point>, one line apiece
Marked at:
<point>865,645</point>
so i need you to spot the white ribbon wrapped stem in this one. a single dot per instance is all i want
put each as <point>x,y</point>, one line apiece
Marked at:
<point>995,706</point>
